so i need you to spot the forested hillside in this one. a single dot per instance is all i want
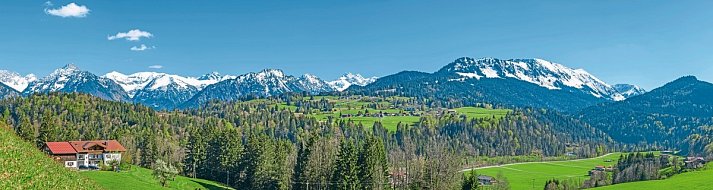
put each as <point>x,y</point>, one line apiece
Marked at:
<point>258,145</point>
<point>664,117</point>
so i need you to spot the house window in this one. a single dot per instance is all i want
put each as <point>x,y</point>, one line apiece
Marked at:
<point>108,156</point>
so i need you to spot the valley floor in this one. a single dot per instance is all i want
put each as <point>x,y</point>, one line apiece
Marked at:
<point>689,181</point>
<point>533,175</point>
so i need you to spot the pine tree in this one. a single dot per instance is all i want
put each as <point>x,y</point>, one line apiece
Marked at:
<point>301,175</point>
<point>346,175</point>
<point>470,181</point>
<point>373,168</point>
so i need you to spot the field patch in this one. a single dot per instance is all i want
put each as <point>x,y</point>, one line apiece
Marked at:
<point>689,180</point>
<point>534,175</point>
<point>142,178</point>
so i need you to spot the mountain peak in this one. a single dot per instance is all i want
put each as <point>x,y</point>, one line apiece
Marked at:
<point>628,90</point>
<point>70,66</point>
<point>689,78</point>
<point>271,72</point>
<point>211,76</point>
<point>349,79</point>
<point>66,70</point>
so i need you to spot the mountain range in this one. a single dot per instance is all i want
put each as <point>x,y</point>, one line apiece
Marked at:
<point>511,82</point>
<point>168,91</point>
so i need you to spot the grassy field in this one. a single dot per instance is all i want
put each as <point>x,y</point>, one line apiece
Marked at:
<point>689,180</point>
<point>23,166</point>
<point>534,175</point>
<point>354,105</point>
<point>141,178</point>
<point>473,112</point>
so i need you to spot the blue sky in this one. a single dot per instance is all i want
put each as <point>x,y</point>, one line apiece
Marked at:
<point>646,42</point>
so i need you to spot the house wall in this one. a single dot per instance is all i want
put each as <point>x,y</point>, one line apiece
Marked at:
<point>112,156</point>
<point>64,157</point>
<point>82,159</point>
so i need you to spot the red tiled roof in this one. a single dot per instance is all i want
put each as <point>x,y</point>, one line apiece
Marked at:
<point>107,145</point>
<point>61,148</point>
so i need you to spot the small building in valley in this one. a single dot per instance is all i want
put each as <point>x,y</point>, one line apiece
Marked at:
<point>85,154</point>
<point>486,180</point>
<point>695,162</point>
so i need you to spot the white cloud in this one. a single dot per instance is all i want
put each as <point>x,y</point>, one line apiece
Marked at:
<point>142,47</point>
<point>49,3</point>
<point>131,35</point>
<point>69,10</point>
<point>155,66</point>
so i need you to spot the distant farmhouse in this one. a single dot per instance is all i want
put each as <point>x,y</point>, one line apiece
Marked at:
<point>486,180</point>
<point>85,154</point>
<point>695,162</point>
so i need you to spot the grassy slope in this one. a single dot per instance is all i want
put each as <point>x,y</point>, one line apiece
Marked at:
<point>689,180</point>
<point>527,175</point>
<point>141,178</point>
<point>473,112</point>
<point>353,106</point>
<point>23,166</point>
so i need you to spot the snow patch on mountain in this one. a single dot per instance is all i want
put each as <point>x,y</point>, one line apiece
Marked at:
<point>162,81</point>
<point>349,79</point>
<point>15,80</point>
<point>57,80</point>
<point>629,90</point>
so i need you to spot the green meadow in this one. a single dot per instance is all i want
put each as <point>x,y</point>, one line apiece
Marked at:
<point>361,104</point>
<point>534,175</point>
<point>142,178</point>
<point>702,179</point>
<point>478,113</point>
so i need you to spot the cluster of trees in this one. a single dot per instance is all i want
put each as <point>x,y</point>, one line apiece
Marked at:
<point>638,167</point>
<point>701,143</point>
<point>569,184</point>
<point>258,145</point>
<point>629,168</point>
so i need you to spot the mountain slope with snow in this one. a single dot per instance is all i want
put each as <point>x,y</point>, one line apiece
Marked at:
<point>15,81</point>
<point>7,92</point>
<point>71,79</point>
<point>546,74</point>
<point>349,79</point>
<point>629,90</point>
<point>161,90</point>
<point>513,82</point>
<point>268,82</point>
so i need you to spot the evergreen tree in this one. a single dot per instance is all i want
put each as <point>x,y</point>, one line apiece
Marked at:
<point>470,181</point>
<point>373,167</point>
<point>346,174</point>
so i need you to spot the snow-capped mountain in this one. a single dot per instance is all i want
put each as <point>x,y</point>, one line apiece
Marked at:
<point>546,74</point>
<point>161,90</point>
<point>629,90</point>
<point>349,79</point>
<point>15,81</point>
<point>312,83</point>
<point>71,79</point>
<point>7,92</point>
<point>161,81</point>
<point>267,82</point>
